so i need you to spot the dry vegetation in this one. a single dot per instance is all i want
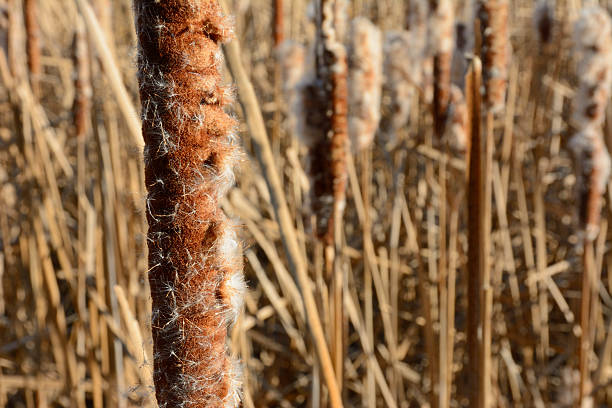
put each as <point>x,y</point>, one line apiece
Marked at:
<point>455,255</point>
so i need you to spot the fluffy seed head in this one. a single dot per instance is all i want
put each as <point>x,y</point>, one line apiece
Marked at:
<point>496,51</point>
<point>365,82</point>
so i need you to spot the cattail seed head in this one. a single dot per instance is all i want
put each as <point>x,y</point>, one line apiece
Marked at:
<point>402,75</point>
<point>593,56</point>
<point>365,82</point>
<point>195,259</point>
<point>457,130</point>
<point>543,20</point>
<point>496,50</point>
<point>442,33</point>
<point>292,57</point>
<point>592,176</point>
<point>327,154</point>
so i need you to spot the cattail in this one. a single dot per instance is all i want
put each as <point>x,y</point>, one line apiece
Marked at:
<point>457,120</point>
<point>195,259</point>
<point>442,26</point>
<point>543,20</point>
<point>495,51</point>
<point>402,75</point>
<point>33,43</point>
<point>365,82</point>
<point>292,57</point>
<point>328,154</point>
<point>82,83</point>
<point>593,53</point>
<point>463,45</point>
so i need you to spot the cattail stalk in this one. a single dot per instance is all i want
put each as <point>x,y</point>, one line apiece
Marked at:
<point>476,231</point>
<point>195,259</point>
<point>365,82</point>
<point>593,53</point>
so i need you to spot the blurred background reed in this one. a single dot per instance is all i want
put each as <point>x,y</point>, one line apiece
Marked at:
<point>74,298</point>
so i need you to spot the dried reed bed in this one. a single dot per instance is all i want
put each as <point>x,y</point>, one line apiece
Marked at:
<point>74,299</point>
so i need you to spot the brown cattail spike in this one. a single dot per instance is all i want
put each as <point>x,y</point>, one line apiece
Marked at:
<point>442,26</point>
<point>365,82</point>
<point>493,15</point>
<point>195,258</point>
<point>33,43</point>
<point>329,152</point>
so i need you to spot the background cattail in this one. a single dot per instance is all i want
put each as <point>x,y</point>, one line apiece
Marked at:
<point>493,15</point>
<point>292,57</point>
<point>195,259</point>
<point>543,20</point>
<point>593,55</point>
<point>365,82</point>
<point>328,154</point>
<point>457,120</point>
<point>442,33</point>
<point>402,76</point>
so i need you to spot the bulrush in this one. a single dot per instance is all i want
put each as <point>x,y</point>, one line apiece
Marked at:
<point>457,121</point>
<point>365,82</point>
<point>543,20</point>
<point>195,260</point>
<point>328,152</point>
<point>493,15</point>
<point>593,55</point>
<point>442,28</point>
<point>292,57</point>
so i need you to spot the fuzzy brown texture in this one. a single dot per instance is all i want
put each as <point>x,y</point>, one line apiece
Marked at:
<point>442,26</point>
<point>495,53</point>
<point>328,153</point>
<point>33,42</point>
<point>82,83</point>
<point>190,148</point>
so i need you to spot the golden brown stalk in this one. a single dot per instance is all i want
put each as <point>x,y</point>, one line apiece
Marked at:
<point>476,256</point>
<point>495,53</point>
<point>442,25</point>
<point>33,43</point>
<point>195,259</point>
<point>365,82</point>
<point>593,53</point>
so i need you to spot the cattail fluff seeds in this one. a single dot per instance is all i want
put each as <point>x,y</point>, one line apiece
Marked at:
<point>496,51</point>
<point>365,82</point>
<point>593,55</point>
<point>402,75</point>
<point>195,261</point>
